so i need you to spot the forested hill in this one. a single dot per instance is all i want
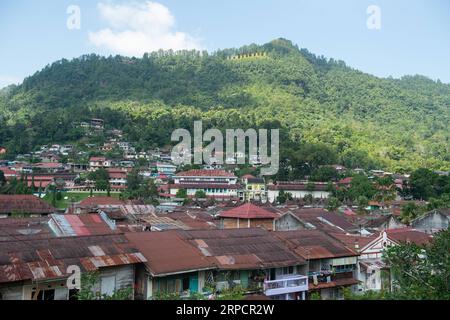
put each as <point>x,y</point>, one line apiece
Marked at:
<point>328,112</point>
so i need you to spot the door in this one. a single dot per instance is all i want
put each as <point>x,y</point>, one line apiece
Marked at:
<point>193,283</point>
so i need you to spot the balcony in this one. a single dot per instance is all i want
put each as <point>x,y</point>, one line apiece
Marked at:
<point>285,285</point>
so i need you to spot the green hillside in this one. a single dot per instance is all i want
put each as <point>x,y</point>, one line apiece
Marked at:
<point>328,112</point>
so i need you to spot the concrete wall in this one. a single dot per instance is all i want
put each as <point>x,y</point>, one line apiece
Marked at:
<point>431,223</point>
<point>296,194</point>
<point>288,222</point>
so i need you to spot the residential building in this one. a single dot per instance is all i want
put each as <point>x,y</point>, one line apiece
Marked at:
<point>96,163</point>
<point>217,184</point>
<point>24,204</point>
<point>372,271</point>
<point>332,265</point>
<point>255,188</point>
<point>37,268</point>
<point>203,261</point>
<point>433,221</point>
<point>118,178</point>
<point>165,168</point>
<point>248,215</point>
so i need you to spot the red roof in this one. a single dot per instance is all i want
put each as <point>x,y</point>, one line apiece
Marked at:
<point>89,224</point>
<point>205,173</point>
<point>332,284</point>
<point>117,175</point>
<point>25,203</point>
<point>247,176</point>
<point>347,180</point>
<point>100,200</point>
<point>248,211</point>
<point>408,235</point>
<point>350,240</point>
<point>8,171</point>
<point>97,159</point>
<point>173,253</point>
<point>42,259</point>
<point>48,165</point>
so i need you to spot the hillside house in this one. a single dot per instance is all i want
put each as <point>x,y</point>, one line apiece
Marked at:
<point>96,163</point>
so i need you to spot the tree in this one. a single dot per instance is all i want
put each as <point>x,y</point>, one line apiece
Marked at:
<point>333,204</point>
<point>200,194</point>
<point>324,173</point>
<point>410,211</point>
<point>101,178</point>
<point>421,272</point>
<point>385,189</point>
<point>362,202</point>
<point>181,193</point>
<point>422,183</point>
<point>361,186</point>
<point>283,197</point>
<point>2,179</point>
<point>308,198</point>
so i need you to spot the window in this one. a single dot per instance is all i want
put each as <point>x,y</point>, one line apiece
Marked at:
<point>108,285</point>
<point>287,270</point>
<point>48,294</point>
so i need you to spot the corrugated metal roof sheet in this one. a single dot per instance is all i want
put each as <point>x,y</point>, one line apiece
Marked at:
<point>38,259</point>
<point>248,211</point>
<point>24,203</point>
<point>315,244</point>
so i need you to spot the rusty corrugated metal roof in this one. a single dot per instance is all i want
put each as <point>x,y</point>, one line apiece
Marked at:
<point>48,258</point>
<point>166,252</point>
<point>25,203</point>
<point>315,244</point>
<point>251,248</point>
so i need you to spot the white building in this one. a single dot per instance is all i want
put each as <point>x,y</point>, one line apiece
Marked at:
<point>217,184</point>
<point>298,190</point>
<point>96,163</point>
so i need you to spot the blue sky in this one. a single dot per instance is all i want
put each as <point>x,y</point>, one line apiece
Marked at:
<point>414,37</point>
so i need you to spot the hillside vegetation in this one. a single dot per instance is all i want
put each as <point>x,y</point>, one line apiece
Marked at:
<point>328,112</point>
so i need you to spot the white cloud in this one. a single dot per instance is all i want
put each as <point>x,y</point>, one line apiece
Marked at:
<point>137,28</point>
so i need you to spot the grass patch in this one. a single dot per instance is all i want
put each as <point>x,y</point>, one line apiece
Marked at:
<point>73,197</point>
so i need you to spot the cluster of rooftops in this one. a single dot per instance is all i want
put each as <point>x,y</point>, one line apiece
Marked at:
<point>99,233</point>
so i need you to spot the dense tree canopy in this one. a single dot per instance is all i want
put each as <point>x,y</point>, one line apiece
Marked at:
<point>327,112</point>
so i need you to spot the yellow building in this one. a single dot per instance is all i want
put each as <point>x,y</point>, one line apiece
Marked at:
<point>255,188</point>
